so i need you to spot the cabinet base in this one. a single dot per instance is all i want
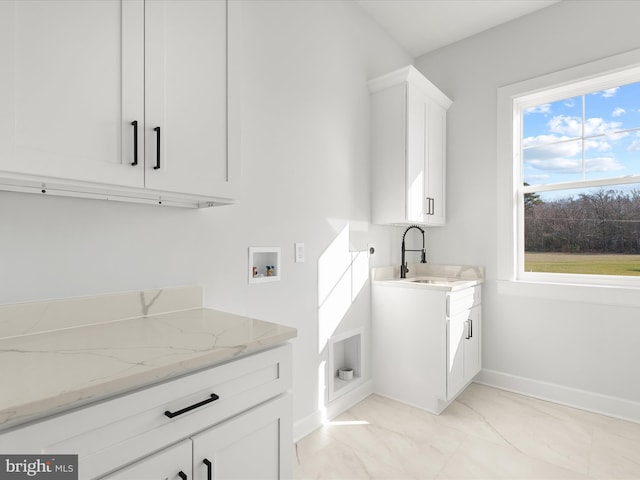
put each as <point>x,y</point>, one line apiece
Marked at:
<point>431,404</point>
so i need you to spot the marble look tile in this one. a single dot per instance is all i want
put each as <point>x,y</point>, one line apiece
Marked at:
<point>485,434</point>
<point>479,459</point>
<point>531,430</point>
<point>614,456</point>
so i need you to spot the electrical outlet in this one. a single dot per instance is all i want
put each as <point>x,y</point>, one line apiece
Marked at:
<point>371,249</point>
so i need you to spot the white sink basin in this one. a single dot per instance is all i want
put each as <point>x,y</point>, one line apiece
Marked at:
<point>430,280</point>
<point>435,281</point>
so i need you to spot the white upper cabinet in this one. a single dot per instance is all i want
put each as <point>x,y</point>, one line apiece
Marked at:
<point>408,149</point>
<point>186,96</point>
<point>72,77</point>
<point>97,95</point>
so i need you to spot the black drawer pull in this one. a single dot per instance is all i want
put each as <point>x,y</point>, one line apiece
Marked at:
<point>213,398</point>
<point>135,143</point>
<point>182,475</point>
<point>207,462</point>
<point>157,165</point>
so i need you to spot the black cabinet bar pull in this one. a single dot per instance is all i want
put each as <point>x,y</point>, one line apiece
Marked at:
<point>430,206</point>
<point>135,142</point>
<point>157,130</point>
<point>213,398</point>
<point>207,462</point>
<point>182,475</point>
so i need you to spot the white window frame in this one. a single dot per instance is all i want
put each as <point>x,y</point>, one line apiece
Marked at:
<point>512,100</point>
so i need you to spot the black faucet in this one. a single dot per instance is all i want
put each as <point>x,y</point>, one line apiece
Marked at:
<point>423,256</point>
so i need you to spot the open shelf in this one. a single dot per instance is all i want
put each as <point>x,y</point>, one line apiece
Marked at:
<point>264,264</point>
<point>345,352</point>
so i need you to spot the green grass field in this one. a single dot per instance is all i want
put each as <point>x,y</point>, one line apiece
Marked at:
<point>595,264</point>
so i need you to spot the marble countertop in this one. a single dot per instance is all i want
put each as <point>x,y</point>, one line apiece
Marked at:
<point>445,277</point>
<point>55,370</point>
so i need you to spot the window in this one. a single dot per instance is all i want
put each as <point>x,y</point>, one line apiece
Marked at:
<point>575,176</point>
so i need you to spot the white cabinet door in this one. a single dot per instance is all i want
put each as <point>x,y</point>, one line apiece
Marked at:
<point>435,178</point>
<point>416,154</point>
<point>425,162</point>
<point>388,137</point>
<point>472,342</point>
<point>463,350</point>
<point>251,446</point>
<point>186,96</point>
<point>172,463</point>
<point>456,328</point>
<point>71,83</point>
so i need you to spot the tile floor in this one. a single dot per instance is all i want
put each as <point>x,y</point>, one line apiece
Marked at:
<point>485,434</point>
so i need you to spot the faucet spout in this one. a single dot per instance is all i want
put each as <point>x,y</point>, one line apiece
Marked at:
<point>423,256</point>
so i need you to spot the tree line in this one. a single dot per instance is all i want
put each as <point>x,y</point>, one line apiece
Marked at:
<point>603,221</point>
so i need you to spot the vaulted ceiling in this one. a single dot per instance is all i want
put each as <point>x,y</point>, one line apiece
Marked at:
<point>422,26</point>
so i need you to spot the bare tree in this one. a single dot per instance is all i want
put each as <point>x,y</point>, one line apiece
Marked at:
<point>603,221</point>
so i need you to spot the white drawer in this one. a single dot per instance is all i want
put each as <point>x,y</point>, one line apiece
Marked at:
<point>461,300</point>
<point>114,432</point>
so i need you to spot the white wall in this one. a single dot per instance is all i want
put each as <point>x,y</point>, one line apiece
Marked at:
<point>554,345</point>
<point>305,166</point>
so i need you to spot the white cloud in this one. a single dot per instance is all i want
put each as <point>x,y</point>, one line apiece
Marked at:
<point>574,165</point>
<point>537,178</point>
<point>602,164</point>
<point>528,142</point>
<point>599,144</point>
<point>545,108</point>
<point>572,126</point>
<point>609,92</point>
<point>556,165</point>
<point>597,126</point>
<point>564,124</point>
<point>634,147</point>
<point>618,111</point>
<point>564,150</point>
<point>566,158</point>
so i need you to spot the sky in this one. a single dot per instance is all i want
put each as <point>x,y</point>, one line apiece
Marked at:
<point>552,143</point>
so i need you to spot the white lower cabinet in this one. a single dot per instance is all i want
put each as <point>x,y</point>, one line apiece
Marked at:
<point>463,352</point>
<point>252,445</point>
<point>236,416</point>
<point>427,343</point>
<point>170,463</point>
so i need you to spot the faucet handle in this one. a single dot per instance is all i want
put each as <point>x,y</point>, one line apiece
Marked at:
<point>403,270</point>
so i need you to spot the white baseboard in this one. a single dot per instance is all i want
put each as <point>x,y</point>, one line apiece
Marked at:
<point>308,424</point>
<point>572,397</point>
<point>349,399</point>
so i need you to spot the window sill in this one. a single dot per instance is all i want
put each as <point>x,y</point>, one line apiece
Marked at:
<point>598,294</point>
